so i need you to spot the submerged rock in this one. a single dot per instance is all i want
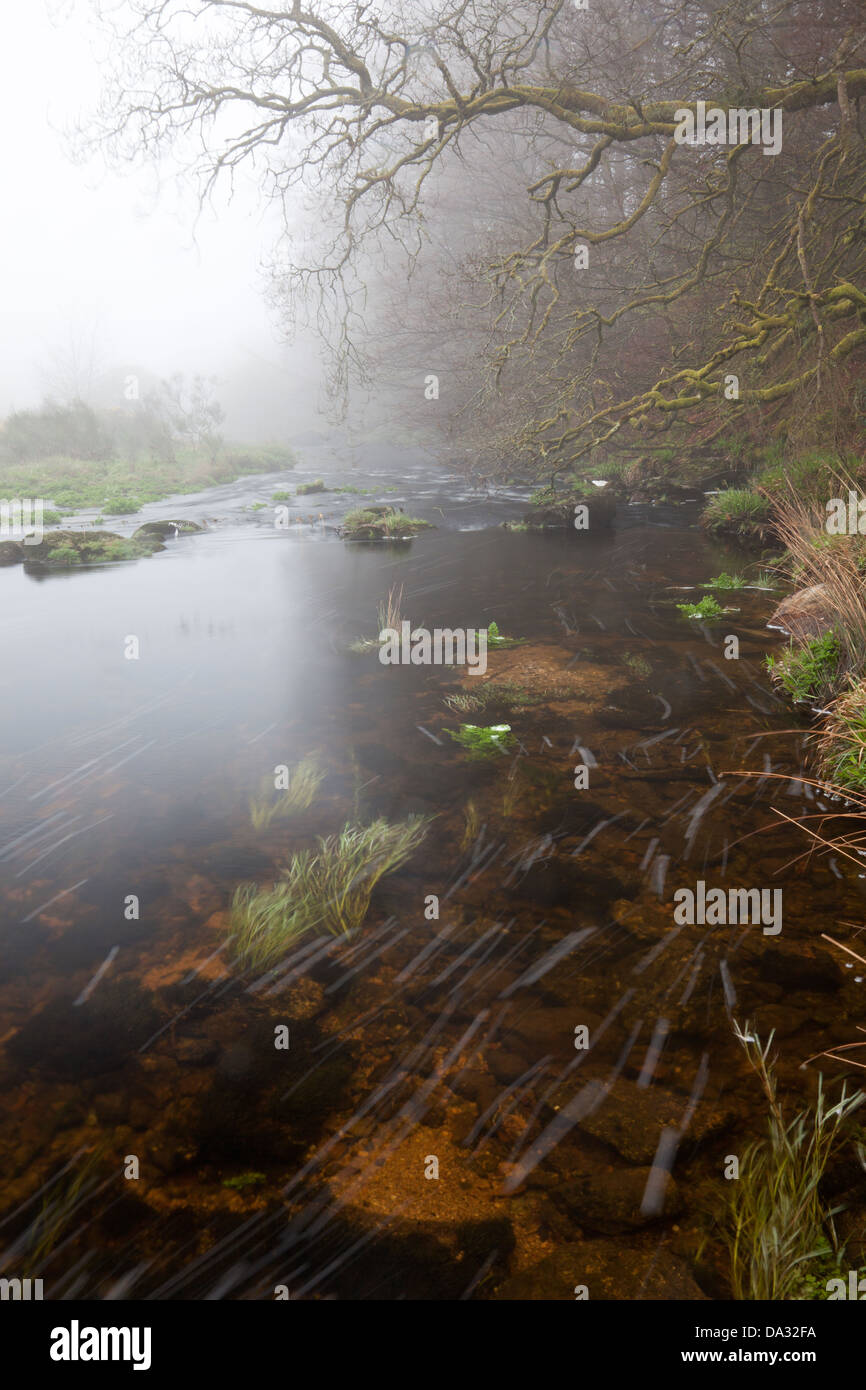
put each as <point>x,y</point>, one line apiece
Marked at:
<point>610,1202</point>
<point>607,1271</point>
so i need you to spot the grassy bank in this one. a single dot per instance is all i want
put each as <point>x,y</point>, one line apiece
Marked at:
<point>119,486</point>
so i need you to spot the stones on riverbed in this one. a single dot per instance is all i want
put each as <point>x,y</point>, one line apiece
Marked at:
<point>11,553</point>
<point>610,1201</point>
<point>630,1119</point>
<point>607,1271</point>
<point>77,1041</point>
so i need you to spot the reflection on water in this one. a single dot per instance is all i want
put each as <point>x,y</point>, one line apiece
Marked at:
<point>425,1044</point>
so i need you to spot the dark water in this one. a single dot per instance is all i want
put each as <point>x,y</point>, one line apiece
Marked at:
<point>450,1039</point>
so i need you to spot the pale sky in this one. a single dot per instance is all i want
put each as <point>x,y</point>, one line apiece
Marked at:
<point>89,254</point>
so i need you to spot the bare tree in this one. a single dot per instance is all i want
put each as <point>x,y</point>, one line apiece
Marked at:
<point>709,262</point>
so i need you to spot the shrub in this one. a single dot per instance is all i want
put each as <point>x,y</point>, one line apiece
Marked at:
<point>811,671</point>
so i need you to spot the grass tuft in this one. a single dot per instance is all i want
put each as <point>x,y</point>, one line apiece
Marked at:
<point>329,891</point>
<point>304,781</point>
<point>777,1222</point>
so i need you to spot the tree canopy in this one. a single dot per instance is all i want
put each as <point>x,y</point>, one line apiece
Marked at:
<point>609,279</point>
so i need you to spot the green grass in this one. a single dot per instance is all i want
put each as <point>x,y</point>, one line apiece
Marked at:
<point>495,640</point>
<point>281,496</point>
<point>121,506</point>
<point>707,608</point>
<point>365,523</point>
<point>738,512</point>
<point>71,549</point>
<point>317,485</point>
<point>304,782</point>
<point>725,581</point>
<point>74,484</point>
<point>776,1224</point>
<point>244,1180</point>
<point>327,891</point>
<point>483,742</point>
<point>842,742</point>
<point>811,671</point>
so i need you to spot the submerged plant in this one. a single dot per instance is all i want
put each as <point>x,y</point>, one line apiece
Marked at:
<point>329,890</point>
<point>638,664</point>
<point>777,1221</point>
<point>304,781</point>
<point>243,1180</point>
<point>507,694</point>
<point>707,608</point>
<point>481,742</point>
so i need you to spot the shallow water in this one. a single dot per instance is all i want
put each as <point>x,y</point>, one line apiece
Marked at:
<point>450,1039</point>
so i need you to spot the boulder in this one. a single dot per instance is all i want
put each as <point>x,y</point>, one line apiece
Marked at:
<point>11,553</point>
<point>167,530</point>
<point>600,504</point>
<point>805,614</point>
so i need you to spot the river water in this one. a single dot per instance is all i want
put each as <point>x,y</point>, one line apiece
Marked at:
<point>437,1127</point>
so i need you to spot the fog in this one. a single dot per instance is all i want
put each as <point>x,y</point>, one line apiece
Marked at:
<point>105,274</point>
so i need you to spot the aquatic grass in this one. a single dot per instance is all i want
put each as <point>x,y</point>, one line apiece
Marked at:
<point>389,614</point>
<point>739,512</point>
<point>483,742</point>
<point>725,581</point>
<point>707,608</point>
<point>329,890</point>
<point>776,1221</point>
<point>304,782</point>
<point>506,693</point>
<point>495,640</point>
<point>317,485</point>
<point>638,664</point>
